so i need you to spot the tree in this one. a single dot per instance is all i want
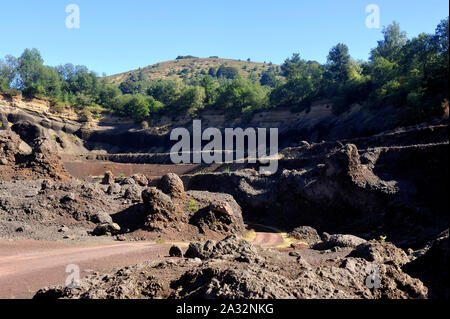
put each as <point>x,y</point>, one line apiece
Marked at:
<point>441,36</point>
<point>293,67</point>
<point>297,93</point>
<point>30,65</point>
<point>227,72</point>
<point>393,40</point>
<point>210,86</point>
<point>338,63</point>
<point>107,93</point>
<point>212,72</point>
<point>138,107</point>
<point>268,78</point>
<point>240,94</point>
<point>165,91</point>
<point>8,72</point>
<point>192,99</point>
<point>133,84</point>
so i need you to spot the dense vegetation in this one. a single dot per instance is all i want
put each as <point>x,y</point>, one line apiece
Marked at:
<point>407,73</point>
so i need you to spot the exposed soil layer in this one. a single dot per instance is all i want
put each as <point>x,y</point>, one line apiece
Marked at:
<point>88,169</point>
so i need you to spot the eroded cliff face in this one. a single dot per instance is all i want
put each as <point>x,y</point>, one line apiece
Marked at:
<point>110,135</point>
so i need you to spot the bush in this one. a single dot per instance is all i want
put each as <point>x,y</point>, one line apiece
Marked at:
<point>227,72</point>
<point>85,115</point>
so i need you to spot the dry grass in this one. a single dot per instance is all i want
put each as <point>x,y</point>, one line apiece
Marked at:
<point>171,69</point>
<point>250,236</point>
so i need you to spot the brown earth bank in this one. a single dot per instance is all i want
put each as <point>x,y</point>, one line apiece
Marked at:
<point>108,137</point>
<point>343,207</point>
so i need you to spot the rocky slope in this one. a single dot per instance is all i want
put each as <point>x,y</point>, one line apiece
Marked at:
<point>390,184</point>
<point>233,269</point>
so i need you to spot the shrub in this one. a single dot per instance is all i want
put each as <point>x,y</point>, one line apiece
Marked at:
<point>192,205</point>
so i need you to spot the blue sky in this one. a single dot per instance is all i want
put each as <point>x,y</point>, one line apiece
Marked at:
<point>117,36</point>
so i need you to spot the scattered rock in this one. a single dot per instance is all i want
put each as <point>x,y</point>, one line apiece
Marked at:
<point>172,184</point>
<point>432,267</point>
<point>113,189</point>
<point>63,229</point>
<point>46,184</point>
<point>128,181</point>
<point>306,234</point>
<point>106,229</point>
<point>101,218</point>
<point>140,179</point>
<point>175,251</point>
<point>132,192</point>
<point>218,216</point>
<point>108,178</point>
<point>121,238</point>
<point>339,240</point>
<point>381,253</point>
<point>160,208</point>
<point>231,247</point>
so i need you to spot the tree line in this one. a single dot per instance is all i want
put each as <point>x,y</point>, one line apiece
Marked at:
<point>406,73</point>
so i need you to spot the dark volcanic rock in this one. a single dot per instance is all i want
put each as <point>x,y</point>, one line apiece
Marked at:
<point>231,247</point>
<point>381,252</point>
<point>342,189</point>
<point>106,229</point>
<point>175,251</point>
<point>46,161</point>
<point>307,234</point>
<point>140,179</point>
<point>432,267</point>
<point>28,131</point>
<point>339,240</point>
<point>218,216</point>
<point>172,184</point>
<point>10,146</point>
<point>108,178</point>
<point>132,192</point>
<point>160,208</point>
<point>101,218</point>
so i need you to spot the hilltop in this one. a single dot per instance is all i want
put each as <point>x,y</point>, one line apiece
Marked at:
<point>189,67</point>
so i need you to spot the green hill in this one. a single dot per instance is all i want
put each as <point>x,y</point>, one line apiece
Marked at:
<point>189,67</point>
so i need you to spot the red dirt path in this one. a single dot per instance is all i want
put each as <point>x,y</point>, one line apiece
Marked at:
<point>28,265</point>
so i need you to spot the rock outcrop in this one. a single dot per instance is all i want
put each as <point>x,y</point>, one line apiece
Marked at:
<point>208,212</point>
<point>366,187</point>
<point>234,269</point>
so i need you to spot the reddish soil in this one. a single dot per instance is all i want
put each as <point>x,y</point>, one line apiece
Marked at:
<point>267,239</point>
<point>96,168</point>
<point>90,169</point>
<point>26,265</point>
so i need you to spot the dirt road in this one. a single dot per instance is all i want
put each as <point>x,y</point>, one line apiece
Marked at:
<point>98,168</point>
<point>265,239</point>
<point>27,265</point>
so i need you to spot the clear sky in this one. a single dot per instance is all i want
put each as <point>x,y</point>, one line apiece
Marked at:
<point>117,36</point>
